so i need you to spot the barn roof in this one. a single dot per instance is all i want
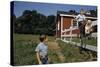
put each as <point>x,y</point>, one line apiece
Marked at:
<point>71,14</point>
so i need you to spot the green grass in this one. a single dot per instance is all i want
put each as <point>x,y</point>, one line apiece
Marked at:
<point>53,57</point>
<point>72,53</point>
<point>91,41</point>
<point>24,50</point>
<point>29,37</point>
<point>26,37</point>
<point>24,54</point>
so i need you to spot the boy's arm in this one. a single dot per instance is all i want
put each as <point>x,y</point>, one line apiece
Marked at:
<point>38,58</point>
<point>77,17</point>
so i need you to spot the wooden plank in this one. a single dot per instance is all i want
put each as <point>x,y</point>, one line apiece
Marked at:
<point>72,35</point>
<point>66,30</point>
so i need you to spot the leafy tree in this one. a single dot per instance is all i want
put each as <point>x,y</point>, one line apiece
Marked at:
<point>93,13</point>
<point>32,22</point>
<point>51,24</point>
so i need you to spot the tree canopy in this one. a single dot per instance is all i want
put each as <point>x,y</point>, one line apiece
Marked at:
<point>32,22</point>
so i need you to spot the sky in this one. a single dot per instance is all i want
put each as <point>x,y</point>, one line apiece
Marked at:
<point>47,8</point>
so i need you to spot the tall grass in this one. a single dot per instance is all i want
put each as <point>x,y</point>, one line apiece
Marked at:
<point>92,41</point>
<point>72,53</point>
<point>24,50</point>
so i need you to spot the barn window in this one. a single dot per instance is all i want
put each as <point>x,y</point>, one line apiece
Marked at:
<point>74,23</point>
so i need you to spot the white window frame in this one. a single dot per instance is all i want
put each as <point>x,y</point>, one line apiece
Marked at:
<point>72,24</point>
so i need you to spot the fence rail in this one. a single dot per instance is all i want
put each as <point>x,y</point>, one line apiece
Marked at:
<point>86,46</point>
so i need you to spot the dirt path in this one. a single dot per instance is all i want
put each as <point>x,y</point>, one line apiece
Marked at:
<point>55,47</point>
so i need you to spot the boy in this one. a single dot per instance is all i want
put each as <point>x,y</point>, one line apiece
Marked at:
<point>81,25</point>
<point>80,20</point>
<point>41,50</point>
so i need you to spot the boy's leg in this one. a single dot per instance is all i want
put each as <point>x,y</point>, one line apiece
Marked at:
<point>44,60</point>
<point>81,36</point>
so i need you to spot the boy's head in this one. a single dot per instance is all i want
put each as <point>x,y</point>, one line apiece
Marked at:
<point>43,38</point>
<point>82,11</point>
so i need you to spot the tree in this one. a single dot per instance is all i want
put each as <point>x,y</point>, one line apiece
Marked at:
<point>32,22</point>
<point>72,12</point>
<point>51,24</point>
<point>93,13</point>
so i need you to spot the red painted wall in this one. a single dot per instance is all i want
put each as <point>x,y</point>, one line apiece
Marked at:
<point>66,22</point>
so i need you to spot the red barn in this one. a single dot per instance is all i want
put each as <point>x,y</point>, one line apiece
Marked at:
<point>65,27</point>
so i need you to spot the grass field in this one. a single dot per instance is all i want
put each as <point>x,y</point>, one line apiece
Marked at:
<point>72,53</point>
<point>24,51</point>
<point>92,41</point>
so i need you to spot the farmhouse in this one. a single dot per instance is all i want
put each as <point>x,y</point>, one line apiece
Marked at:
<point>65,26</point>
